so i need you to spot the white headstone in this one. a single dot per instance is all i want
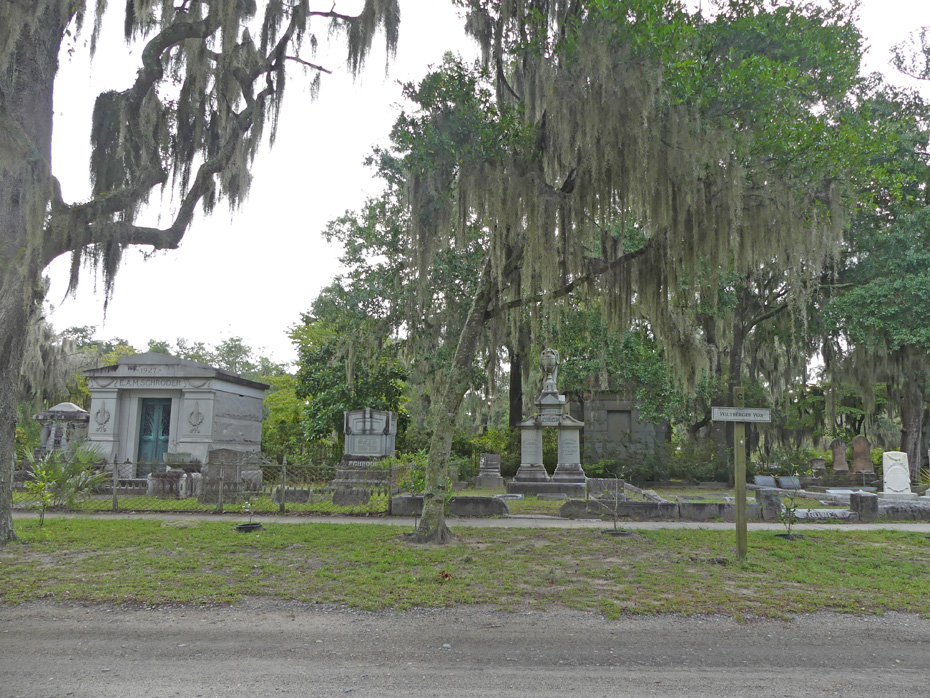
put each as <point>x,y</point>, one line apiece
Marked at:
<point>897,475</point>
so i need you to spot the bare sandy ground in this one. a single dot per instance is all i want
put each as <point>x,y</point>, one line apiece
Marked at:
<point>262,648</point>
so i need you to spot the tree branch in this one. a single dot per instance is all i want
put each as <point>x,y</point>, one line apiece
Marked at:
<point>765,316</point>
<point>602,268</point>
<point>297,59</point>
<point>72,227</point>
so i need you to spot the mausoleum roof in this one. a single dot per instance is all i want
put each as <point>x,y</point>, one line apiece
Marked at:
<point>130,365</point>
<point>63,410</point>
<point>66,407</point>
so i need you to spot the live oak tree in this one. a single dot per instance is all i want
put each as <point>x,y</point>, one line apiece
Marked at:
<point>211,79</point>
<point>723,141</point>
<point>595,357</point>
<point>877,310</point>
<point>753,338</point>
<point>330,380</point>
<point>376,307</point>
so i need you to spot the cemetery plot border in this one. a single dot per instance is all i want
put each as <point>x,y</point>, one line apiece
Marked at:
<point>267,488</point>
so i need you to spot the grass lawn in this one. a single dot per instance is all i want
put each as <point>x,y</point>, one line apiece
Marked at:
<point>373,567</point>
<point>530,505</point>
<point>261,503</point>
<point>377,505</point>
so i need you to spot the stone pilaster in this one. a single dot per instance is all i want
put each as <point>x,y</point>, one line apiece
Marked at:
<point>569,465</point>
<point>531,453</point>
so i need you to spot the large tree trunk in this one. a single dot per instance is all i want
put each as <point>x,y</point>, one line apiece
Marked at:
<point>516,388</point>
<point>27,75</point>
<point>925,434</point>
<point>735,380</point>
<point>432,527</point>
<point>13,319</point>
<point>912,412</point>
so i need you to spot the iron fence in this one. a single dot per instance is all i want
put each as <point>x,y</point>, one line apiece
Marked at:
<point>295,489</point>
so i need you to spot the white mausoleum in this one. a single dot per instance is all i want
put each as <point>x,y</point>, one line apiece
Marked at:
<point>150,405</point>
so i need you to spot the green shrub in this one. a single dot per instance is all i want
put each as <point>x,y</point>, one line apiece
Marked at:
<point>791,460</point>
<point>695,460</point>
<point>493,440</point>
<point>605,467</point>
<point>28,430</point>
<point>409,470</point>
<point>649,466</point>
<point>503,442</point>
<point>550,449</point>
<point>464,467</point>
<point>413,439</point>
<point>60,479</point>
<point>510,458</point>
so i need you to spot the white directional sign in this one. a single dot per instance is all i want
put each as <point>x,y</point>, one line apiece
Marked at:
<point>741,414</point>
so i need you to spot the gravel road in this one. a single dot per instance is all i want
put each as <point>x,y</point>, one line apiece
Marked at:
<point>262,648</point>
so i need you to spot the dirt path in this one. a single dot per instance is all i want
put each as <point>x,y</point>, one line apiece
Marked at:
<point>272,649</point>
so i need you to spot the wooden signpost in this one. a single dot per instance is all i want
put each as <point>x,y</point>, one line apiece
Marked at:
<point>739,415</point>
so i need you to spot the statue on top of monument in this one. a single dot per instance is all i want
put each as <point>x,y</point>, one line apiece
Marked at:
<point>549,361</point>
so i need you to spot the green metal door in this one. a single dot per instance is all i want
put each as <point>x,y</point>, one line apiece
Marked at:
<point>154,428</point>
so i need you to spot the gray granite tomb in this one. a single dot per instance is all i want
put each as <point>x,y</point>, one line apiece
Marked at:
<point>489,472</point>
<point>152,408</point>
<point>370,435</point>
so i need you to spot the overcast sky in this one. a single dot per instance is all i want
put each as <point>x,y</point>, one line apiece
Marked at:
<point>252,272</point>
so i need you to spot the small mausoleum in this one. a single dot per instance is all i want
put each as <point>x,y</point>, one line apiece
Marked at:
<point>151,406</point>
<point>64,426</point>
<point>613,429</point>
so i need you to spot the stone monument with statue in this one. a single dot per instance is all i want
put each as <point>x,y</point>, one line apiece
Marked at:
<point>531,477</point>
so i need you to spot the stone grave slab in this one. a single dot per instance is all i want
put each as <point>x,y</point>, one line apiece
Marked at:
<point>862,456</point>
<point>838,447</point>
<point>825,514</point>
<point>489,472</point>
